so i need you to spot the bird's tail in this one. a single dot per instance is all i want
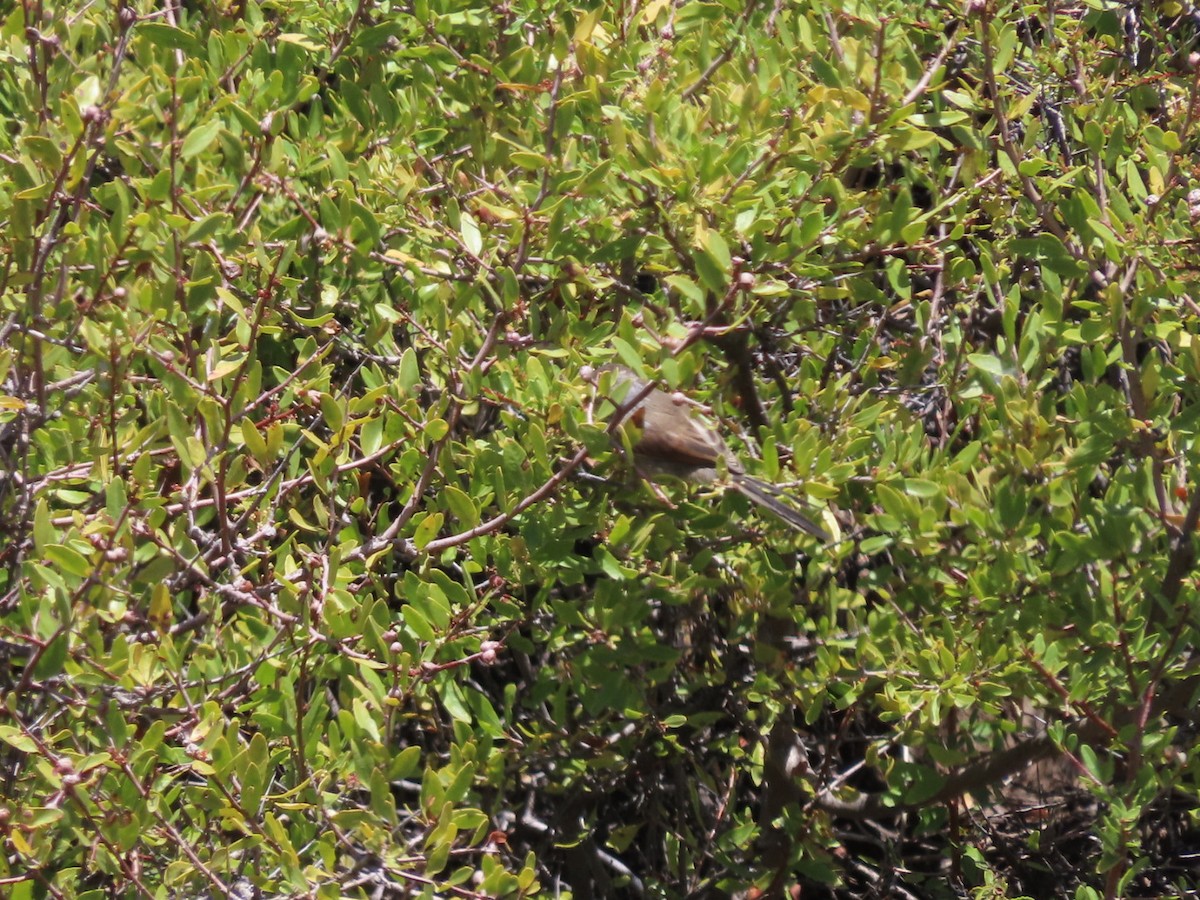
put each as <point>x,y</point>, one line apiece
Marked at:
<point>773,500</point>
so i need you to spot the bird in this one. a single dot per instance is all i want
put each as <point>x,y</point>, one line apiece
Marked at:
<point>672,441</point>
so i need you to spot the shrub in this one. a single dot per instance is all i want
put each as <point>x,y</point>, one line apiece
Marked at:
<point>326,574</point>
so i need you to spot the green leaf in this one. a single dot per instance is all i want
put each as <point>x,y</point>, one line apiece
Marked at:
<point>170,37</point>
<point>332,412</point>
<point>404,763</point>
<point>207,227</point>
<point>472,239</point>
<point>418,623</point>
<point>17,739</point>
<point>200,138</point>
<point>987,363</point>
<point>53,658</point>
<point>460,506</point>
<point>715,246</point>
<point>687,288</point>
<point>409,374</point>
<point>920,487</point>
<point>428,529</point>
<point>528,160</point>
<point>67,560</point>
<point>302,40</point>
<point>714,263</point>
<point>44,533</point>
<point>253,440</point>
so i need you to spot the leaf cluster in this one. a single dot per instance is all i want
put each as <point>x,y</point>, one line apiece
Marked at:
<point>323,576</point>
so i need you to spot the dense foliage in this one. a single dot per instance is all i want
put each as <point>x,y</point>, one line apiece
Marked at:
<point>324,574</point>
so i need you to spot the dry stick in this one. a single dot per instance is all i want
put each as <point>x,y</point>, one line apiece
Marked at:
<point>723,57</point>
<point>489,342</point>
<point>873,113</point>
<point>923,82</point>
<point>389,536</point>
<point>263,490</point>
<point>1010,148</point>
<point>229,530</point>
<point>176,836</point>
<point>550,144</point>
<point>71,789</point>
<point>1178,697</point>
<point>1179,563</point>
<point>494,523</point>
<point>57,215</point>
<point>573,463</point>
<point>550,484</point>
<point>991,768</point>
<point>1182,557</point>
<point>771,28</point>
<point>835,42</point>
<point>1128,348</point>
<point>346,34</point>
<point>766,159</point>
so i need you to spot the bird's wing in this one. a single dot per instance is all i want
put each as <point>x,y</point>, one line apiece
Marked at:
<point>772,499</point>
<point>669,431</point>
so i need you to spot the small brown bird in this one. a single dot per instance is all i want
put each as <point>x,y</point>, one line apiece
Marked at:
<point>673,442</point>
